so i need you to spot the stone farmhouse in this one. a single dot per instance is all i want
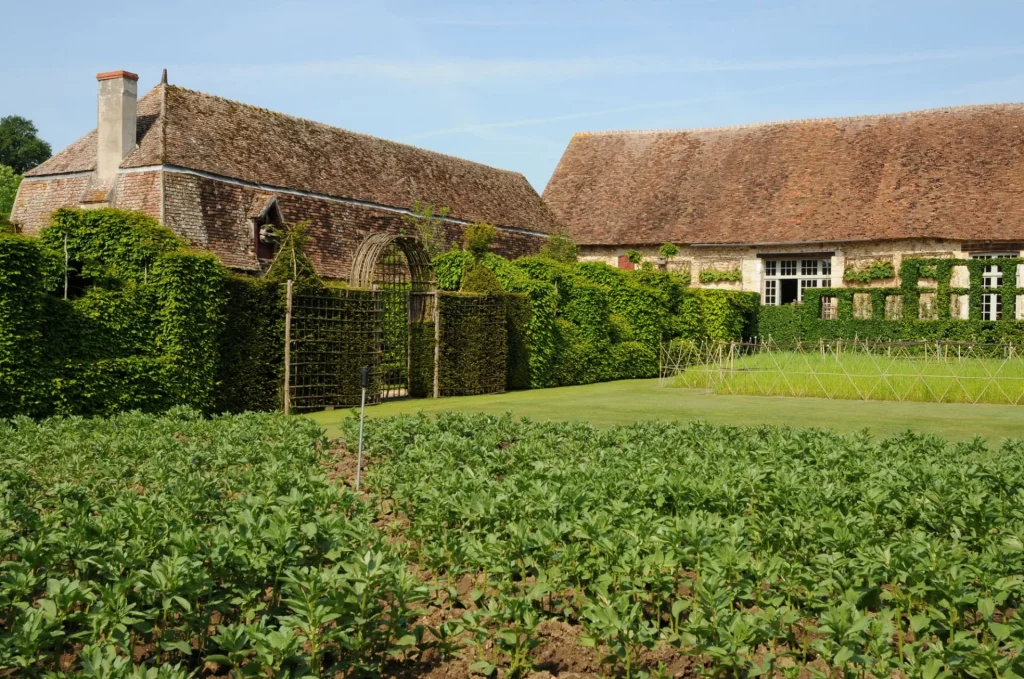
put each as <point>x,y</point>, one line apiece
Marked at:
<point>781,207</point>
<point>217,172</point>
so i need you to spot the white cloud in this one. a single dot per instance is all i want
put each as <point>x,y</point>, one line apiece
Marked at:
<point>449,71</point>
<point>485,128</point>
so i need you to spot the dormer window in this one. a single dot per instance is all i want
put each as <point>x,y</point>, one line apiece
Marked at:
<point>267,223</point>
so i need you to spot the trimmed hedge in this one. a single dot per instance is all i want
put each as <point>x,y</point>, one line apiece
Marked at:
<point>23,346</point>
<point>473,357</point>
<point>590,322</point>
<point>142,330</point>
<point>251,347</point>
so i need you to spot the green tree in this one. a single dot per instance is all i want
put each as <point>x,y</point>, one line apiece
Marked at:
<point>668,250</point>
<point>560,247</point>
<point>9,181</point>
<point>477,239</point>
<point>428,223</point>
<point>20,146</point>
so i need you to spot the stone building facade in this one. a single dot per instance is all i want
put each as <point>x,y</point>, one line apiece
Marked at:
<point>778,208</point>
<point>216,171</point>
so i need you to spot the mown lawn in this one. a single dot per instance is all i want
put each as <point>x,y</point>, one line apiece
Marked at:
<point>627,401</point>
<point>856,375</point>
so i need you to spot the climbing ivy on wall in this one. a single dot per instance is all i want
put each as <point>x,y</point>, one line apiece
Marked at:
<point>803,322</point>
<point>729,276</point>
<point>878,270</point>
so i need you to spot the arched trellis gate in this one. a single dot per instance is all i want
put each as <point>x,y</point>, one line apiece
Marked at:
<point>330,334</point>
<point>397,266</point>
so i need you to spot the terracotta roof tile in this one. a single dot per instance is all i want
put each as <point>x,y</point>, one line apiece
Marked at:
<point>951,173</point>
<point>222,137</point>
<point>81,155</point>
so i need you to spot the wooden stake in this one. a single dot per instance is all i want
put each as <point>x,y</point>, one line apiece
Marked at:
<point>437,344</point>
<point>65,266</point>
<point>288,353</point>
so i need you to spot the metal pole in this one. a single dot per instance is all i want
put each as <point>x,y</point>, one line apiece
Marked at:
<point>288,353</point>
<point>365,380</point>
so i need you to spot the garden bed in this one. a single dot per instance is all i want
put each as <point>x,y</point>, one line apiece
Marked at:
<point>482,545</point>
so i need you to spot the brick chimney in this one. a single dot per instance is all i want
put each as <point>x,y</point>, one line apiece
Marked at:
<point>115,126</point>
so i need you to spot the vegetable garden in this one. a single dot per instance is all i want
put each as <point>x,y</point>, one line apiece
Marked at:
<point>177,546</point>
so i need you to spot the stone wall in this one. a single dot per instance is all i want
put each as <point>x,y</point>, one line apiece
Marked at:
<point>38,198</point>
<point>747,259</point>
<point>216,215</point>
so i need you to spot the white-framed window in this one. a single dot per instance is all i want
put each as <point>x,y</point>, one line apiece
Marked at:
<point>992,276</point>
<point>786,278</point>
<point>829,308</point>
<point>991,306</point>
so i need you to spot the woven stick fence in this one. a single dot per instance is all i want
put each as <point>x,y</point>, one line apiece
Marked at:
<point>942,372</point>
<point>331,335</point>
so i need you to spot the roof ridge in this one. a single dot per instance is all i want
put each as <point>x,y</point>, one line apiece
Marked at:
<point>797,121</point>
<point>318,123</point>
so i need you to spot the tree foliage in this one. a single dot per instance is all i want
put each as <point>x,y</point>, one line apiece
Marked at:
<point>428,223</point>
<point>21,148</point>
<point>477,238</point>
<point>668,250</point>
<point>291,261</point>
<point>9,181</point>
<point>560,247</point>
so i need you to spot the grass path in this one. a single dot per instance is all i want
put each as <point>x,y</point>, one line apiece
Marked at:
<point>627,401</point>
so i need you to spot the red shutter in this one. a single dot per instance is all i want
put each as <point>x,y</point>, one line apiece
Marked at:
<point>624,263</point>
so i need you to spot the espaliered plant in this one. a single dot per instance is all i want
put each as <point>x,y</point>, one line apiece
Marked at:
<point>877,270</point>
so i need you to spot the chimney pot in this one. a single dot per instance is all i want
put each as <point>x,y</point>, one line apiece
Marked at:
<point>111,75</point>
<point>116,120</point>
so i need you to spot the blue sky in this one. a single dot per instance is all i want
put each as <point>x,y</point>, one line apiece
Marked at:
<point>508,83</point>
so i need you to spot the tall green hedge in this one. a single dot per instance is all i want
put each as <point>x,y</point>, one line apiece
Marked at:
<point>474,346</point>
<point>143,326</point>
<point>591,322</point>
<point>251,346</point>
<point>23,346</point>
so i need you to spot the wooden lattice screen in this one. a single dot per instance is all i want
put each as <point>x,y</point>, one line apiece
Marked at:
<point>330,335</point>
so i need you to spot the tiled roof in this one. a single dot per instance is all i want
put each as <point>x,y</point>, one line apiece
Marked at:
<point>222,137</point>
<point>950,173</point>
<point>81,155</point>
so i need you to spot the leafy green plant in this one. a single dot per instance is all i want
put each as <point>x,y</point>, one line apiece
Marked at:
<point>150,531</point>
<point>477,239</point>
<point>428,223</point>
<point>560,247</point>
<point>9,182</point>
<point>877,270</point>
<point>668,250</point>
<point>713,276</point>
<point>759,551</point>
<point>634,257</point>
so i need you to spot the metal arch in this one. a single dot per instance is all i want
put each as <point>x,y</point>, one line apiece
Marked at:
<point>373,248</point>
